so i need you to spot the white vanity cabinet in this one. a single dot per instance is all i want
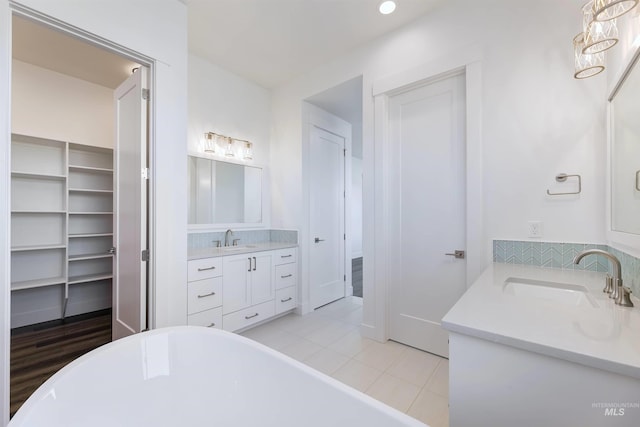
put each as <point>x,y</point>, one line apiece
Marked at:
<point>286,279</point>
<point>204,293</point>
<point>249,288</point>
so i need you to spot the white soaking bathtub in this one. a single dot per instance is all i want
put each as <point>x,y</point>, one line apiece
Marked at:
<point>194,376</point>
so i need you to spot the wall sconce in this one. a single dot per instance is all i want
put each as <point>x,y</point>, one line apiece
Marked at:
<point>209,142</point>
<point>586,65</point>
<point>604,10</point>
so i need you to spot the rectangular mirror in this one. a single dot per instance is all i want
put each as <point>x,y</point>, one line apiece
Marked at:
<point>625,155</point>
<point>223,193</point>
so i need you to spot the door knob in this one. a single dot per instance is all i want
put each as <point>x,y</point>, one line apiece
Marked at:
<point>317,240</point>
<point>457,254</point>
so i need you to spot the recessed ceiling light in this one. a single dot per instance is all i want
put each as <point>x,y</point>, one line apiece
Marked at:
<point>387,7</point>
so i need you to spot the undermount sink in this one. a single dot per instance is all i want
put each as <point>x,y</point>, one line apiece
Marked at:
<point>564,293</point>
<point>237,248</point>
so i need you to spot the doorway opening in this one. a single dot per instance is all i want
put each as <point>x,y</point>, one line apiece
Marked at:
<point>63,184</point>
<point>345,102</point>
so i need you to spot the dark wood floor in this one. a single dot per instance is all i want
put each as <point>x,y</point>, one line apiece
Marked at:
<point>356,276</point>
<point>39,351</point>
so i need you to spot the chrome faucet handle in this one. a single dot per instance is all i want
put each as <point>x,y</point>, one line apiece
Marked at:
<point>608,288</point>
<point>217,242</point>
<point>624,297</point>
<point>235,242</point>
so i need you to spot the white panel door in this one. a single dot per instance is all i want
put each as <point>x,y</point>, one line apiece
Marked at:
<point>326,267</point>
<point>130,207</point>
<point>427,211</point>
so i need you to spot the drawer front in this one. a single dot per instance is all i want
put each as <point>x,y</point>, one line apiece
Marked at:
<point>285,256</point>
<point>210,318</point>
<point>204,268</point>
<point>286,275</point>
<point>204,295</point>
<point>248,316</point>
<point>285,299</point>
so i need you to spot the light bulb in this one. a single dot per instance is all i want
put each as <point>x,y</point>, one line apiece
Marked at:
<point>387,7</point>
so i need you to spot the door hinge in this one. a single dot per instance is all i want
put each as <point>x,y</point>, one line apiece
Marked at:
<point>345,278</point>
<point>344,152</point>
<point>146,94</point>
<point>145,173</point>
<point>145,255</point>
<point>344,237</point>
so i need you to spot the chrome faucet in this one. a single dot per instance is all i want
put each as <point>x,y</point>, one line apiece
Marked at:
<point>614,286</point>
<point>226,237</point>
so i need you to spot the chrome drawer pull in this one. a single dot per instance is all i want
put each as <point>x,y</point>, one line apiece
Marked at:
<point>211,325</point>
<point>206,295</point>
<point>284,277</point>
<point>286,256</point>
<point>285,300</point>
<point>251,317</point>
<point>207,268</point>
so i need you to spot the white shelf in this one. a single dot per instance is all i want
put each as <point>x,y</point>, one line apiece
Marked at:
<point>87,190</point>
<point>23,211</point>
<point>39,283</point>
<point>90,213</point>
<point>19,174</point>
<point>89,256</point>
<point>36,248</point>
<point>89,235</point>
<point>89,278</point>
<point>78,168</point>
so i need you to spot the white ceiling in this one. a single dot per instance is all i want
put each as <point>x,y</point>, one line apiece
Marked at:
<point>265,41</point>
<point>47,48</point>
<point>272,41</point>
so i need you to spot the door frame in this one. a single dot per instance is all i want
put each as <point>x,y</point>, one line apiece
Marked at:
<point>469,62</point>
<point>5,159</point>
<point>314,116</point>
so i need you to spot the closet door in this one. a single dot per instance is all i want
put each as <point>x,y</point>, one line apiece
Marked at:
<point>130,207</point>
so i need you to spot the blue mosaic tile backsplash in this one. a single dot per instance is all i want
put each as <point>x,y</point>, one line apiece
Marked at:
<point>247,237</point>
<point>560,255</point>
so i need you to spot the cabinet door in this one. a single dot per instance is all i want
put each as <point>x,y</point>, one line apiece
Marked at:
<point>235,282</point>
<point>262,286</point>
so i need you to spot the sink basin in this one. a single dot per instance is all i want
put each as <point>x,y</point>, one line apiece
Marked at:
<point>236,248</point>
<point>564,293</point>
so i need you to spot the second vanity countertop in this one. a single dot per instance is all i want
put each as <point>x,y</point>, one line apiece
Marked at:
<point>200,253</point>
<point>606,336</point>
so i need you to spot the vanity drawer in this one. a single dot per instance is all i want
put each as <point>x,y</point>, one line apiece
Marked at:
<point>199,269</point>
<point>204,294</point>
<point>209,318</point>
<point>248,316</point>
<point>285,256</point>
<point>286,275</point>
<point>285,299</point>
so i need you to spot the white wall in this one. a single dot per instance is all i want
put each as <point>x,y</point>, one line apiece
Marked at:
<point>51,105</point>
<point>537,120</point>
<point>158,30</point>
<point>224,103</point>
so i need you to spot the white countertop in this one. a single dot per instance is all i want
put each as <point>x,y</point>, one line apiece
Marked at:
<point>200,253</point>
<point>605,337</point>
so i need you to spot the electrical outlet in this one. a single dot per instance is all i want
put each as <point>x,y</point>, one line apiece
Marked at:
<point>535,229</point>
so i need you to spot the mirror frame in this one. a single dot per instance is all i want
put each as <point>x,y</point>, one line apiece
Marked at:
<point>627,241</point>
<point>264,223</point>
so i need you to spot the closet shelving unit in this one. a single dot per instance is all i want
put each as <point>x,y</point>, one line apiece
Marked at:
<point>61,227</point>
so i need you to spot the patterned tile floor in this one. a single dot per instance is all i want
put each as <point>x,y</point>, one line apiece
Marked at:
<point>329,340</point>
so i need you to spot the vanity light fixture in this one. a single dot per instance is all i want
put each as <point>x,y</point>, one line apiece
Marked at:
<point>387,7</point>
<point>229,151</point>
<point>209,142</point>
<point>586,65</point>
<point>604,10</point>
<point>598,35</point>
<point>247,150</point>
